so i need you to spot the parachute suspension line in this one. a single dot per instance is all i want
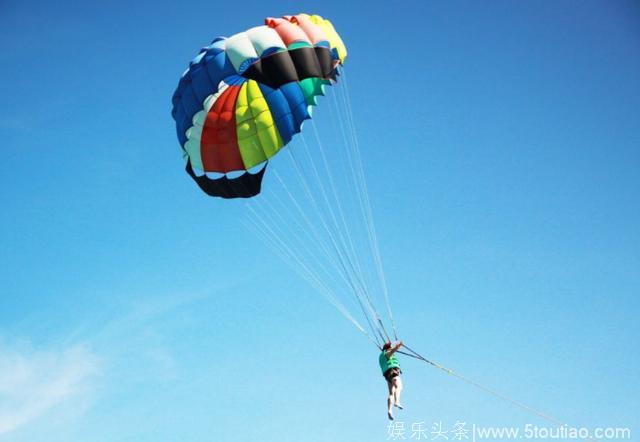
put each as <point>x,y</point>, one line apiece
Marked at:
<point>373,238</point>
<point>342,270</point>
<point>322,217</point>
<point>491,391</point>
<point>347,275</point>
<point>357,184</point>
<point>338,205</point>
<point>309,194</point>
<point>309,224</point>
<point>341,229</point>
<point>360,177</point>
<point>354,271</point>
<point>275,242</point>
<point>282,222</point>
<point>303,268</point>
<point>271,238</point>
<point>298,258</point>
<point>374,243</point>
<point>312,279</point>
<point>312,228</point>
<point>354,257</point>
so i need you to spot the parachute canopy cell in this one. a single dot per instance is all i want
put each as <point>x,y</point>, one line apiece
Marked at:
<point>244,97</point>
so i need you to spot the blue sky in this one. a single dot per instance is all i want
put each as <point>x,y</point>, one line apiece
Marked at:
<point>501,143</point>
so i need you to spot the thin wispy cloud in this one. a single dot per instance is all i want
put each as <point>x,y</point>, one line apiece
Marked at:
<point>130,345</point>
<point>32,383</point>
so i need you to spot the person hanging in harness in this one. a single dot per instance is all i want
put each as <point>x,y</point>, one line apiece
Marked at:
<point>391,371</point>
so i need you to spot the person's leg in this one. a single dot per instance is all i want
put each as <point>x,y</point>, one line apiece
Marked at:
<point>397,381</point>
<point>390,398</point>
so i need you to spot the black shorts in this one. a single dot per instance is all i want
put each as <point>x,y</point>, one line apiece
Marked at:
<point>392,373</point>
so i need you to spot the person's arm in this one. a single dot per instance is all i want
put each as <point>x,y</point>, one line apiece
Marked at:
<point>394,349</point>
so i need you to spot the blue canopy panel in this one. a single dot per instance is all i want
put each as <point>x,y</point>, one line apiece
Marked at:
<point>200,80</point>
<point>297,103</point>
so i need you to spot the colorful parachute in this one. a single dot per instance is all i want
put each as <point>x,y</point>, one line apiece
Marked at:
<point>244,97</point>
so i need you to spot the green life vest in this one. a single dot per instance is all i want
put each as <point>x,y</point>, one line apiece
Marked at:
<point>386,364</point>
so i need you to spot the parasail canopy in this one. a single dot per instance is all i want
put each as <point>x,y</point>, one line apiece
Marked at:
<point>244,97</point>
